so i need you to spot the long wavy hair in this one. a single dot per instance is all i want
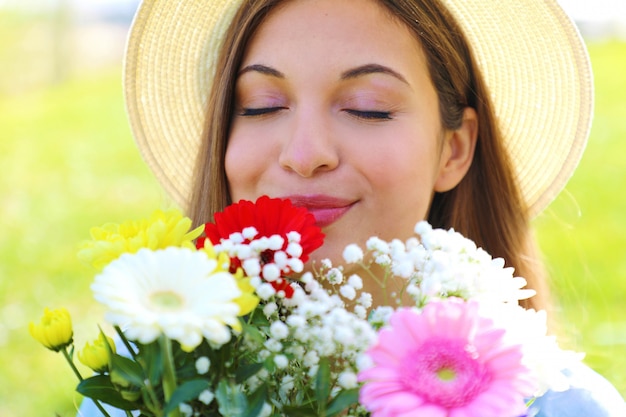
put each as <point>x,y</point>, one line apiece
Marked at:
<point>485,206</point>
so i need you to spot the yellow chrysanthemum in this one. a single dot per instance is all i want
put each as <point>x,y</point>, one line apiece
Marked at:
<point>96,355</point>
<point>54,331</point>
<point>162,229</point>
<point>248,299</point>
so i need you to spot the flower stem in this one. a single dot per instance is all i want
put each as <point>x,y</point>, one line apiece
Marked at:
<point>381,283</point>
<point>69,360</point>
<point>125,341</point>
<point>152,400</point>
<point>169,375</point>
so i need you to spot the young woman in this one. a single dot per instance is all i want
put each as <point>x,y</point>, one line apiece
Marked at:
<point>374,114</point>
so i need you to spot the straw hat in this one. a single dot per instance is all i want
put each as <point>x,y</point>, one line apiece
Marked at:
<point>532,57</point>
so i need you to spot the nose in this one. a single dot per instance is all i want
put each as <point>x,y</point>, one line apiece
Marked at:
<point>309,147</point>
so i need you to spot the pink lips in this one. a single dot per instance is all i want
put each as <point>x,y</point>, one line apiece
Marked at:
<point>325,209</point>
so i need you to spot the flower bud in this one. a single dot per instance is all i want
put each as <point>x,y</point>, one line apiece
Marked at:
<point>54,331</point>
<point>96,355</point>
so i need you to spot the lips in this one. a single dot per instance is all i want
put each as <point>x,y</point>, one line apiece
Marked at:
<point>326,209</point>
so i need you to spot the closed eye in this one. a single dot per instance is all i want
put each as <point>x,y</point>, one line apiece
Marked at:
<point>260,111</point>
<point>369,114</point>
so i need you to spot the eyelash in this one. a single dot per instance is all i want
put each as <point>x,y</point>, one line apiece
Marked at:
<point>360,114</point>
<point>261,111</point>
<point>370,114</point>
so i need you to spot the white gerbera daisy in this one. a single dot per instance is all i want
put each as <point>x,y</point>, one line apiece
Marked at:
<point>176,291</point>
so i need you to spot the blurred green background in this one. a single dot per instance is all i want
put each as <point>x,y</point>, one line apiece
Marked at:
<point>68,162</point>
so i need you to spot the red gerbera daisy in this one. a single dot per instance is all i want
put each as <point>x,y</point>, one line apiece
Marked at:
<point>269,216</point>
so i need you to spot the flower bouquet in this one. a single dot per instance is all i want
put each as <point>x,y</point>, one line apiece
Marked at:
<point>224,320</point>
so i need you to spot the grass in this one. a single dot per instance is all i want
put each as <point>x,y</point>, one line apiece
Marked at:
<point>69,163</point>
<point>583,233</point>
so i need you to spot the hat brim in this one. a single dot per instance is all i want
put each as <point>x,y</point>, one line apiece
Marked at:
<point>532,57</point>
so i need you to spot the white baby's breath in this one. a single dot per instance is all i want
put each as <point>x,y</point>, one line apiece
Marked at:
<point>311,359</point>
<point>353,254</point>
<point>355,282</point>
<point>360,311</point>
<point>185,409</point>
<point>348,292</point>
<point>202,365</point>
<point>377,245</point>
<point>249,232</point>
<point>271,272</point>
<point>334,276</point>
<point>365,299</point>
<point>279,330</point>
<point>294,249</point>
<point>206,397</point>
<point>236,238</point>
<point>281,361</point>
<point>252,267</point>
<point>347,380</point>
<point>294,237</point>
<point>269,309</point>
<point>275,242</point>
<point>265,291</point>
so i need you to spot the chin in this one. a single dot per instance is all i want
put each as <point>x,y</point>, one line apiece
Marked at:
<point>331,252</point>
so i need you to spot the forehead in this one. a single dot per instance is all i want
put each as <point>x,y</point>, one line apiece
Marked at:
<point>337,29</point>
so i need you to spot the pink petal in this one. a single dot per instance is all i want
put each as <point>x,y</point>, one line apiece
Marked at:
<point>401,402</point>
<point>406,323</point>
<point>426,411</point>
<point>373,390</point>
<point>379,373</point>
<point>452,318</point>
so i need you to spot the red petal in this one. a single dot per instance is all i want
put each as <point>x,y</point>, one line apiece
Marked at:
<point>270,216</point>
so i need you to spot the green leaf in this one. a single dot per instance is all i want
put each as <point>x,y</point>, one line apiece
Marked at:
<point>256,402</point>
<point>246,371</point>
<point>232,402</point>
<point>152,357</point>
<point>99,387</point>
<point>188,391</point>
<point>322,385</point>
<point>259,321</point>
<point>345,399</point>
<point>299,412</point>
<point>125,372</point>
<point>253,333</point>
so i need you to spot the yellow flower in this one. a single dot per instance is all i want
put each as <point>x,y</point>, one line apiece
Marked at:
<point>96,355</point>
<point>247,301</point>
<point>162,229</point>
<point>54,331</point>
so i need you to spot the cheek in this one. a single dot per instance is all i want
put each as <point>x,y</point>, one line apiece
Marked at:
<point>402,163</point>
<point>240,165</point>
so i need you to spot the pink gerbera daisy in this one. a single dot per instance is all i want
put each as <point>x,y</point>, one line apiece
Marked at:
<point>445,361</point>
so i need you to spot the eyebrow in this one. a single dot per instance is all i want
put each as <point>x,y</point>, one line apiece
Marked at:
<point>346,75</point>
<point>263,69</point>
<point>372,69</point>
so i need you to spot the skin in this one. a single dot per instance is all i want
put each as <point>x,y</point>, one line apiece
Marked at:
<point>336,110</point>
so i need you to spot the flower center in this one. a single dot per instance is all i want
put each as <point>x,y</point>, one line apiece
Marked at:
<point>445,372</point>
<point>166,300</point>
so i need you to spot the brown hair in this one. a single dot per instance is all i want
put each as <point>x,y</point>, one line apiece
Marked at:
<point>485,206</point>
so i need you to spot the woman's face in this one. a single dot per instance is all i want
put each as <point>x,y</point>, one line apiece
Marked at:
<point>336,111</point>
